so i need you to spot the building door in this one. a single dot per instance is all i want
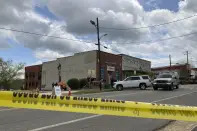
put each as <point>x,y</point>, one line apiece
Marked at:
<point>110,70</point>
<point>109,74</point>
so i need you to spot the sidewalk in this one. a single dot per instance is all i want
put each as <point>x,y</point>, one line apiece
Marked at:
<point>91,91</point>
<point>179,126</point>
<point>50,92</point>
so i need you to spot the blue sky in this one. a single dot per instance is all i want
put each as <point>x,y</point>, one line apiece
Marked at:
<point>161,4</point>
<point>44,11</point>
<point>18,53</point>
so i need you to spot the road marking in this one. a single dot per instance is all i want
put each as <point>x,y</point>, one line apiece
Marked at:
<point>98,93</point>
<point>65,123</point>
<point>174,97</point>
<point>8,109</point>
<point>122,94</point>
<point>94,116</point>
<point>125,94</point>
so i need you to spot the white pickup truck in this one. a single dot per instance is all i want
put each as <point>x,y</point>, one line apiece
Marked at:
<point>133,81</point>
<point>167,81</point>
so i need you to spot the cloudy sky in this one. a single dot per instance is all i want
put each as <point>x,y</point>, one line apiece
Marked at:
<point>125,22</point>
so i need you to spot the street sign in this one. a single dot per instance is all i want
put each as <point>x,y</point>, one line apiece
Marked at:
<point>92,73</point>
<point>110,68</point>
<point>57,90</point>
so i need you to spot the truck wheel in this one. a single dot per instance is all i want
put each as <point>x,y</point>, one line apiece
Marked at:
<point>171,88</point>
<point>155,88</point>
<point>177,86</point>
<point>142,86</point>
<point>119,87</point>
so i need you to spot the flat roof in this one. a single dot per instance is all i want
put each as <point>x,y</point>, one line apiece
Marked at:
<point>134,57</point>
<point>168,67</point>
<point>33,66</point>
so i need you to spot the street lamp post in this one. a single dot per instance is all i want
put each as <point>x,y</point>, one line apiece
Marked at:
<point>99,50</point>
<point>59,72</point>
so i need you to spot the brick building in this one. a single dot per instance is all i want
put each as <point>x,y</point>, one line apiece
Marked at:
<point>182,70</point>
<point>111,67</point>
<point>33,77</point>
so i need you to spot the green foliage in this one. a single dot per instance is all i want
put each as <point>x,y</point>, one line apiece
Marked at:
<point>83,82</point>
<point>9,72</point>
<point>73,83</point>
<point>17,84</point>
<point>107,86</point>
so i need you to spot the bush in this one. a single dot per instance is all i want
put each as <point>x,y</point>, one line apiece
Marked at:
<point>107,86</point>
<point>83,82</point>
<point>73,83</point>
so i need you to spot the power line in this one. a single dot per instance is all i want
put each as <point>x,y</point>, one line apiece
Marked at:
<point>38,34</point>
<point>57,37</point>
<point>143,27</point>
<point>111,49</point>
<point>158,40</point>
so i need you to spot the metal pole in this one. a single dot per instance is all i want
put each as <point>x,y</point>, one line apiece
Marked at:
<point>59,74</point>
<point>187,53</point>
<point>99,56</point>
<point>170,62</point>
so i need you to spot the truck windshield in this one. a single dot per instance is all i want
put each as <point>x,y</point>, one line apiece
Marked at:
<point>145,77</point>
<point>165,76</point>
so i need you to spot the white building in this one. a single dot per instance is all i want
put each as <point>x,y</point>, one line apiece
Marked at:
<point>80,65</point>
<point>132,65</point>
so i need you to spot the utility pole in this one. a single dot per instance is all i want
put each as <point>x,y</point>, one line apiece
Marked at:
<point>99,53</point>
<point>99,50</point>
<point>170,62</point>
<point>187,53</point>
<point>59,72</point>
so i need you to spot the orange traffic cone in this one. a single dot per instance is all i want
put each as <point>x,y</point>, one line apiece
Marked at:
<point>69,91</point>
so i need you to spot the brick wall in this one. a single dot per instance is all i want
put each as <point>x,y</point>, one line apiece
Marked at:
<point>33,77</point>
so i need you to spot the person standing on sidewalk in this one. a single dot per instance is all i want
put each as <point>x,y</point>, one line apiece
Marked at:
<point>112,82</point>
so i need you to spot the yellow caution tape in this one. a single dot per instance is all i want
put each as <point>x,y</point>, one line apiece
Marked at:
<point>97,106</point>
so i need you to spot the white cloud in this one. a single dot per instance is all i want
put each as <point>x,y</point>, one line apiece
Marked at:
<point>188,5</point>
<point>35,63</point>
<point>21,74</point>
<point>47,55</point>
<point>74,24</point>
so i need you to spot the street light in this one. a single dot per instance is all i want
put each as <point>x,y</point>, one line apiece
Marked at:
<point>96,24</point>
<point>102,36</point>
<point>102,46</point>
<point>105,47</point>
<point>93,23</point>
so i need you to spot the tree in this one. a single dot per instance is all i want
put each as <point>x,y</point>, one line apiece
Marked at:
<point>9,72</point>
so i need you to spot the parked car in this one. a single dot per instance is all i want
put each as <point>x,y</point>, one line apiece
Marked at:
<point>167,81</point>
<point>133,81</point>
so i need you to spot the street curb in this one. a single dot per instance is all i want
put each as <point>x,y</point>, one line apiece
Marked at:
<point>163,126</point>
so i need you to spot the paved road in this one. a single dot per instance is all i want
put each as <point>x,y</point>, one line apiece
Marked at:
<point>26,119</point>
